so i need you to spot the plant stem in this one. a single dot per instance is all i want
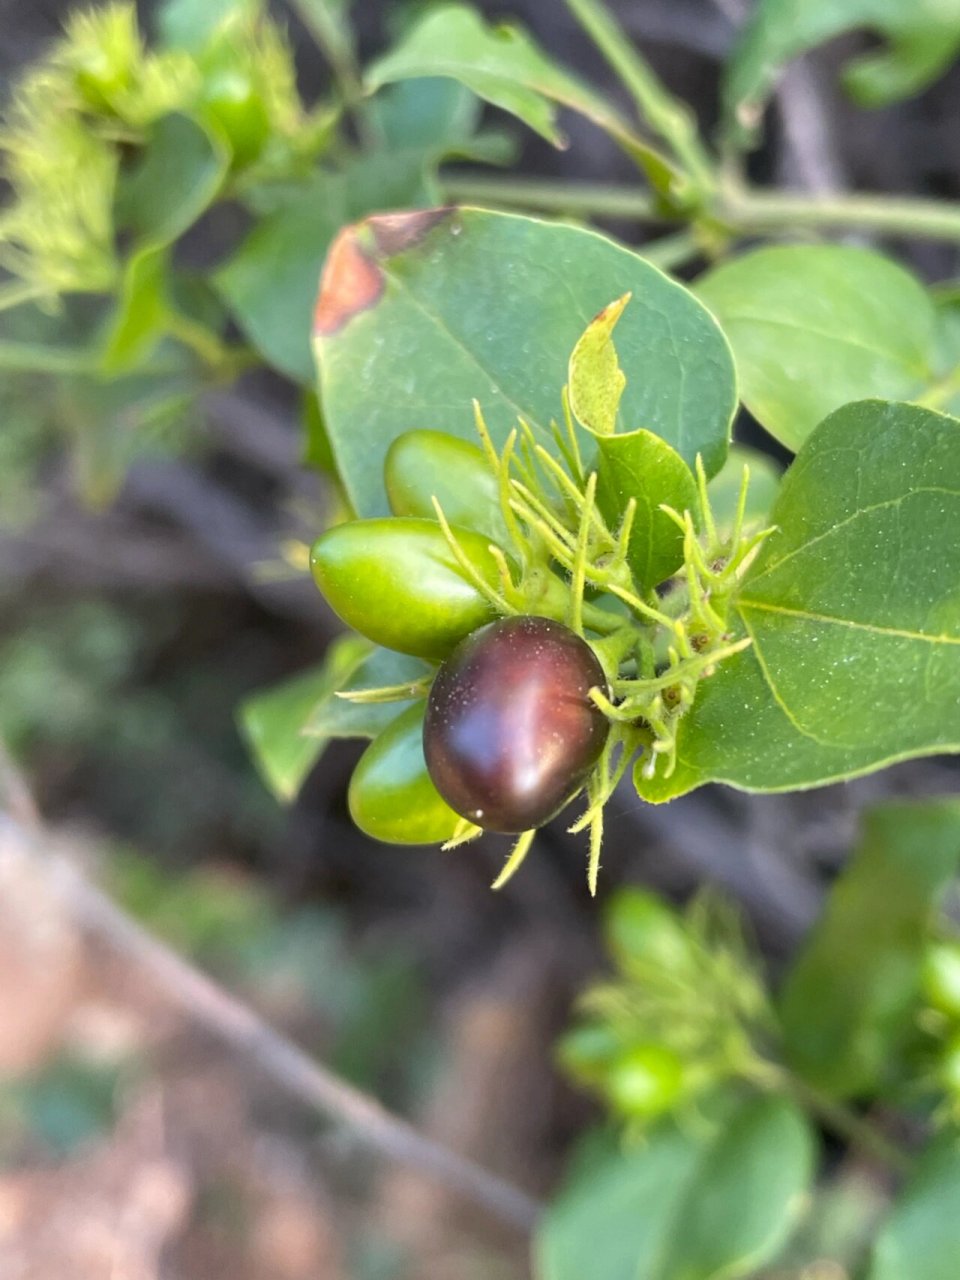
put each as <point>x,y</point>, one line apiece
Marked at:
<point>751,210</point>
<point>667,252</point>
<point>838,1117</point>
<point>661,111</point>
<point>38,357</point>
<point>742,210</point>
<point>549,195</point>
<point>333,40</point>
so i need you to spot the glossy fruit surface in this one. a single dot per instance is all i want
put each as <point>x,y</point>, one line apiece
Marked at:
<point>510,733</point>
<point>391,796</point>
<point>644,1081</point>
<point>421,464</point>
<point>395,580</point>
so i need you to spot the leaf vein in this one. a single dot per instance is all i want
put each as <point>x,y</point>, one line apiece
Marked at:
<point>854,516</point>
<point>871,627</point>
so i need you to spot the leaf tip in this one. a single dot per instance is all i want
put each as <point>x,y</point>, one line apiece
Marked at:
<point>351,283</point>
<point>396,232</point>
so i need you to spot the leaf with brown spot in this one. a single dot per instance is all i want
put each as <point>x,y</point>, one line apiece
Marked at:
<point>421,313</point>
<point>351,282</point>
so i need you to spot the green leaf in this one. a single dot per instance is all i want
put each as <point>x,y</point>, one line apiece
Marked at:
<point>851,997</point>
<point>192,24</point>
<point>724,489</point>
<point>178,177</point>
<point>430,113</point>
<point>921,1238</point>
<point>641,466</point>
<point>420,313</point>
<point>274,721</point>
<point>815,326</point>
<point>316,448</point>
<point>290,725</point>
<point>613,1219</point>
<point>631,464</point>
<point>117,419</point>
<point>380,669</point>
<point>923,36</point>
<point>746,1195</point>
<point>270,283</point>
<point>945,392</point>
<point>595,378</point>
<point>141,315</point>
<point>854,611</point>
<point>680,1206</point>
<point>503,65</point>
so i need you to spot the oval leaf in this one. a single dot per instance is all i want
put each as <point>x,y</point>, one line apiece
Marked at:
<point>420,313</point>
<point>612,1220</point>
<point>814,327</point>
<point>641,466</point>
<point>921,1238</point>
<point>681,1206</point>
<point>745,1197</point>
<point>504,66</point>
<point>854,612</point>
<point>289,726</point>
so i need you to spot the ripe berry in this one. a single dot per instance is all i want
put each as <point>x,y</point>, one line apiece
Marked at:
<point>510,733</point>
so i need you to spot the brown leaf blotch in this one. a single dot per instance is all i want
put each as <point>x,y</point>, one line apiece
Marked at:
<point>394,232</point>
<point>350,283</point>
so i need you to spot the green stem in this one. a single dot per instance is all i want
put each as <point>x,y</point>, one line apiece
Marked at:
<point>838,1117</point>
<point>330,36</point>
<point>663,113</point>
<point>667,252</point>
<point>224,360</point>
<point>741,210</point>
<point>35,357</point>
<point>750,210</point>
<point>589,199</point>
<point>600,620</point>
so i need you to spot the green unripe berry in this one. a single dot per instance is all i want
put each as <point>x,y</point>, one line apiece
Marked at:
<point>941,977</point>
<point>644,1082</point>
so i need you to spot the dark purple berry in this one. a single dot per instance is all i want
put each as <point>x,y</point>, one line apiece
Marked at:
<point>510,733</point>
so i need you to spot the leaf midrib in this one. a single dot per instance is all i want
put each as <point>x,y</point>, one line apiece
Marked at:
<point>874,628</point>
<point>850,519</point>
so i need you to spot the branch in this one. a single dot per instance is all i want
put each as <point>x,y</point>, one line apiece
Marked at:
<point>742,210</point>
<point>245,1031</point>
